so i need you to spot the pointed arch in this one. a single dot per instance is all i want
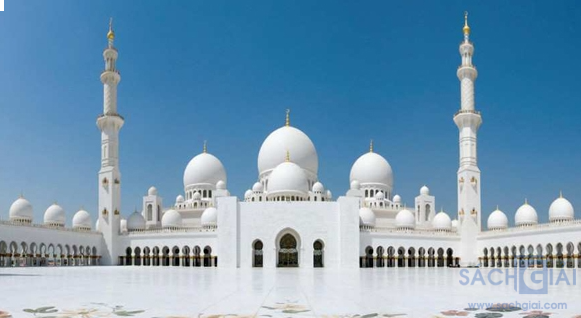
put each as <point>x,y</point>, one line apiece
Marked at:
<point>421,257</point>
<point>379,261</point>
<point>401,257</point>
<point>440,257</point>
<point>318,253</point>
<point>390,256</point>
<point>257,253</point>
<point>288,243</point>
<point>186,256</point>
<point>411,257</point>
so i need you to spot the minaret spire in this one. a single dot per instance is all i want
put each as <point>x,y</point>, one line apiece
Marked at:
<point>287,122</point>
<point>466,28</point>
<point>111,33</point>
<point>205,146</point>
<point>110,123</point>
<point>468,120</point>
<point>371,145</point>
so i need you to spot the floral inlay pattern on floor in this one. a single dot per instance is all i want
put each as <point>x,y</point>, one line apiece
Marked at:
<point>5,314</point>
<point>287,307</point>
<point>93,310</point>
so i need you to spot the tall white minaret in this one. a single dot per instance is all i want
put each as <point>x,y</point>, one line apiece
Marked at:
<point>468,121</point>
<point>110,122</point>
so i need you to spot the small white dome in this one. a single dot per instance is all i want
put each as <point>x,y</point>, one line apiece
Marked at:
<point>287,138</point>
<point>372,169</point>
<point>204,169</point>
<point>257,187</point>
<point>180,199</point>
<point>442,222</point>
<point>318,187</point>
<point>366,217</point>
<point>54,215</point>
<point>82,220</point>
<point>210,217</point>
<point>123,225</point>
<point>424,190</point>
<point>21,210</point>
<point>355,185</point>
<point>329,194</point>
<point>197,196</point>
<point>171,219</point>
<point>379,196</point>
<point>248,194</point>
<point>152,191</point>
<point>526,215</point>
<point>561,210</point>
<point>405,219</point>
<point>497,220</point>
<point>136,221</point>
<point>221,185</point>
<point>288,178</point>
<point>396,199</point>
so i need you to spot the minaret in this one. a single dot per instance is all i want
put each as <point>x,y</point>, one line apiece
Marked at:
<point>110,122</point>
<point>468,121</point>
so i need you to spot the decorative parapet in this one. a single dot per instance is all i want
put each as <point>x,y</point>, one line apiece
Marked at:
<point>48,227</point>
<point>534,228</point>
<point>175,230</point>
<point>408,231</point>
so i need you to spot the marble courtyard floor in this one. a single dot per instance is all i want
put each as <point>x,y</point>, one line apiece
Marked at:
<point>211,292</point>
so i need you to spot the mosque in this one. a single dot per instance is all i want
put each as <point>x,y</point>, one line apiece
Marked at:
<point>287,218</point>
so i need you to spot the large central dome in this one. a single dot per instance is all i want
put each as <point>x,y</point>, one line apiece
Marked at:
<point>287,138</point>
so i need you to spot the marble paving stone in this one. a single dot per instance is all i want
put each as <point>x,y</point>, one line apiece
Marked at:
<point>214,293</point>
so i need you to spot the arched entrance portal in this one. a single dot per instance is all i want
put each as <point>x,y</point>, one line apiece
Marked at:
<point>288,255</point>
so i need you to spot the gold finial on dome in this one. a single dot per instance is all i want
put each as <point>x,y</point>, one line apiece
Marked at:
<point>371,145</point>
<point>561,194</point>
<point>205,146</point>
<point>287,123</point>
<point>466,28</point>
<point>526,201</point>
<point>287,159</point>
<point>111,34</point>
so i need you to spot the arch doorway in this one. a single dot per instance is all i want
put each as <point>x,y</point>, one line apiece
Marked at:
<point>257,253</point>
<point>288,255</point>
<point>318,254</point>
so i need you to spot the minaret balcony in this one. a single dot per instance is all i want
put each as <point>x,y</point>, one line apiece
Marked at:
<point>468,71</point>
<point>110,120</point>
<point>114,71</point>
<point>467,111</point>
<point>110,114</point>
<point>468,118</point>
<point>110,76</point>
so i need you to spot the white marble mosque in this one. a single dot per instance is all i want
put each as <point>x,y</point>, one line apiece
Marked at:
<point>287,218</point>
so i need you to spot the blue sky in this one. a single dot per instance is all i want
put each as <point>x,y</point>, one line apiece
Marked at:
<point>226,71</point>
